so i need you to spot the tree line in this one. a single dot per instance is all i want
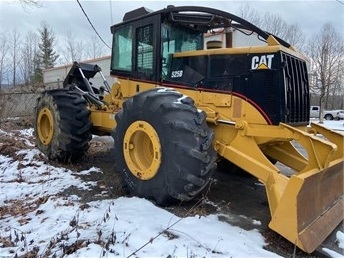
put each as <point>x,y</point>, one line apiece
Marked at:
<point>24,57</point>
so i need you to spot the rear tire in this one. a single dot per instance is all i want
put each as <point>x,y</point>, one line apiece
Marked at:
<point>163,146</point>
<point>328,117</point>
<point>62,126</point>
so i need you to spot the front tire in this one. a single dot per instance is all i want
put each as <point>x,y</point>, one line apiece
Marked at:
<point>62,126</point>
<point>163,146</point>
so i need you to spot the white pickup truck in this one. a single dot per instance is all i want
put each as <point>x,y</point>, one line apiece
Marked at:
<point>328,114</point>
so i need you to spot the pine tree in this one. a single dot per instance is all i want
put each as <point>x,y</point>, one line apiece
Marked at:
<point>47,55</point>
<point>37,75</point>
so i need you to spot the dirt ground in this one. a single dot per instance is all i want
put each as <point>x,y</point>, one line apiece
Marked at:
<point>237,195</point>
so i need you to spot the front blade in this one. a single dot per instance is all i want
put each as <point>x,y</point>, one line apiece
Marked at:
<point>311,207</point>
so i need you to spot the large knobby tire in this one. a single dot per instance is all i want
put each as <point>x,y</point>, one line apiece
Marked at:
<point>62,125</point>
<point>163,146</point>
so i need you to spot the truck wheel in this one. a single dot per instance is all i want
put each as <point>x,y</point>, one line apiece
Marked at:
<point>163,146</point>
<point>62,125</point>
<point>328,117</point>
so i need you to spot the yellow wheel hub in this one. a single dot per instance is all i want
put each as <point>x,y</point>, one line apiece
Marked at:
<point>45,126</point>
<point>142,150</point>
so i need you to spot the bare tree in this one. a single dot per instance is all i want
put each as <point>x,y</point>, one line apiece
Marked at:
<point>74,49</point>
<point>94,48</point>
<point>3,56</point>
<point>250,14</point>
<point>30,3</point>
<point>28,53</point>
<point>295,36</point>
<point>326,51</point>
<point>275,25</point>
<point>14,42</point>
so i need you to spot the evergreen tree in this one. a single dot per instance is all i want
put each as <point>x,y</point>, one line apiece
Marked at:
<point>37,76</point>
<point>47,55</point>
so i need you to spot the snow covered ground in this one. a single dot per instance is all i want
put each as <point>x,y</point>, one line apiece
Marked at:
<point>335,125</point>
<point>36,219</point>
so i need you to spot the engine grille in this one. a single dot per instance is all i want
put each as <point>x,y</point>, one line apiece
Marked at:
<point>296,90</point>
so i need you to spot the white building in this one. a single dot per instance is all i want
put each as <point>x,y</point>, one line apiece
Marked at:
<point>54,77</point>
<point>233,38</point>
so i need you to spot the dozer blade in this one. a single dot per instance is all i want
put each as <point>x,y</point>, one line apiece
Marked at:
<point>312,203</point>
<point>310,208</point>
<point>307,206</point>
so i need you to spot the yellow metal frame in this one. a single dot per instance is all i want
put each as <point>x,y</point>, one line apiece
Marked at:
<point>273,47</point>
<point>142,150</point>
<point>45,126</point>
<point>244,137</point>
<point>103,120</point>
<point>303,208</point>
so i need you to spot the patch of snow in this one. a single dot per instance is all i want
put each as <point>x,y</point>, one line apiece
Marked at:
<point>88,171</point>
<point>179,101</point>
<point>133,223</point>
<point>332,124</point>
<point>53,222</point>
<point>32,178</point>
<point>49,221</point>
<point>333,253</point>
<point>340,239</point>
<point>5,133</point>
<point>164,89</point>
<point>26,132</point>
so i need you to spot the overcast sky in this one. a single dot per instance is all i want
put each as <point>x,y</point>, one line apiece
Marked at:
<point>67,15</point>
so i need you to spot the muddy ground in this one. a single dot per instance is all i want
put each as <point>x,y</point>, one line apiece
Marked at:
<point>236,194</point>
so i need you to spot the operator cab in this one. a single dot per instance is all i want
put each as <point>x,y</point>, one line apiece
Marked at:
<point>166,48</point>
<point>142,48</point>
<point>146,41</point>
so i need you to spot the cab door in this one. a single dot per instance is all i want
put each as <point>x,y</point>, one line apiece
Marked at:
<point>146,49</point>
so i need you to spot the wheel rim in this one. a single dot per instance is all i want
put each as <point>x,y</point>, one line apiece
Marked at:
<point>45,125</point>
<point>142,150</point>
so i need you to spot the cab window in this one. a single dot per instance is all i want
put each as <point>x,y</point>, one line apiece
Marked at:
<point>122,49</point>
<point>144,49</point>
<point>188,70</point>
<point>176,39</point>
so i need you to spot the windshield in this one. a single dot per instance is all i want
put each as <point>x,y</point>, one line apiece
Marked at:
<point>178,39</point>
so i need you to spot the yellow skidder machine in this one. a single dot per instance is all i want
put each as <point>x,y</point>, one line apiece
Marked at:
<point>179,105</point>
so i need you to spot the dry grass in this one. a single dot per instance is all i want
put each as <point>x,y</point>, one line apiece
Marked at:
<point>21,207</point>
<point>9,146</point>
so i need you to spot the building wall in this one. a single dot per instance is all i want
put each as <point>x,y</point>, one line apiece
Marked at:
<point>54,77</point>
<point>242,40</point>
<point>238,38</point>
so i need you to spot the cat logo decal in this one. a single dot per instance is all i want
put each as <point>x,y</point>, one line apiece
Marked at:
<point>262,62</point>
